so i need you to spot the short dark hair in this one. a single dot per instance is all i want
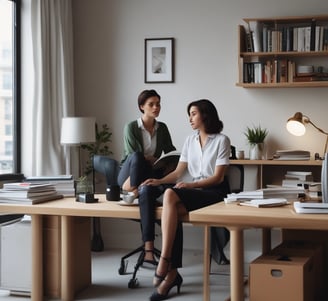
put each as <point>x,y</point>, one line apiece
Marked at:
<point>144,95</point>
<point>209,115</point>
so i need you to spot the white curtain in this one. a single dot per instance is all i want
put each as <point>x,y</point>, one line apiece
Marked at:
<point>53,94</point>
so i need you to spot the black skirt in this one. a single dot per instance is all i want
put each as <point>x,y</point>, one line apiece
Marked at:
<point>200,197</point>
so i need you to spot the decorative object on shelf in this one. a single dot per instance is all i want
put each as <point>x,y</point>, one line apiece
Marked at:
<point>255,137</point>
<point>296,126</point>
<point>159,60</point>
<point>98,147</point>
<point>74,132</point>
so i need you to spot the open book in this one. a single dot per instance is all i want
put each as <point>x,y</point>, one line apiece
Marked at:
<point>167,162</point>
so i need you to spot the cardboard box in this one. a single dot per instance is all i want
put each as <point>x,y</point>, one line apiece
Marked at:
<point>275,277</point>
<point>307,248</point>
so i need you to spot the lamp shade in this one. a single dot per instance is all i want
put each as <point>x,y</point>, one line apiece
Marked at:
<point>295,125</point>
<point>77,130</point>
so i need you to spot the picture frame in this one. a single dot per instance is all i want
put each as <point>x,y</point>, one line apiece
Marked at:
<point>159,60</point>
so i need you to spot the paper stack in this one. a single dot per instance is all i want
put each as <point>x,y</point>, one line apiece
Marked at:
<point>291,155</point>
<point>308,207</point>
<point>64,184</point>
<point>291,193</point>
<point>28,193</point>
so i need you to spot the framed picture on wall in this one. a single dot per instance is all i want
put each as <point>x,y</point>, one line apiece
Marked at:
<point>159,60</point>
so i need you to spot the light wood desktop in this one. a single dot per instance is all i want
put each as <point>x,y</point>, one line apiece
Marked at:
<point>235,218</point>
<point>238,218</point>
<point>73,216</point>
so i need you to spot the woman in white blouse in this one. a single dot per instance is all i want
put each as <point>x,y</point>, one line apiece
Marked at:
<point>205,155</point>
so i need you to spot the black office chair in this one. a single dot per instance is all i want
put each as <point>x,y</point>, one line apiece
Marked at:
<point>109,168</point>
<point>220,236</point>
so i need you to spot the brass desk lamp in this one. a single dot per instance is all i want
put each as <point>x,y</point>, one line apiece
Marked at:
<point>296,126</point>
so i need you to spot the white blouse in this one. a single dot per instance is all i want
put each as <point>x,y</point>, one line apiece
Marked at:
<point>202,161</point>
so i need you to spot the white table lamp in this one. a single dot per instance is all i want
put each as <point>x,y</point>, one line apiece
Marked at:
<point>76,131</point>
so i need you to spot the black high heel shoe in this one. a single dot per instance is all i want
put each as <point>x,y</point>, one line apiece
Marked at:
<point>149,261</point>
<point>156,296</point>
<point>159,278</point>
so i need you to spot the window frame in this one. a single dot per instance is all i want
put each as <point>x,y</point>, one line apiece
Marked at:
<point>16,88</point>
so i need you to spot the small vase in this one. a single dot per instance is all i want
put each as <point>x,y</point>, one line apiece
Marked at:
<point>256,151</point>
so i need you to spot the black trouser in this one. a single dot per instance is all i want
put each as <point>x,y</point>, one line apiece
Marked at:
<point>147,204</point>
<point>137,168</point>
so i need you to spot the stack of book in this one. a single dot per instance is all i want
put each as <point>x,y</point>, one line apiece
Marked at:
<point>291,155</point>
<point>267,193</point>
<point>64,184</point>
<point>303,179</point>
<point>297,178</point>
<point>28,193</point>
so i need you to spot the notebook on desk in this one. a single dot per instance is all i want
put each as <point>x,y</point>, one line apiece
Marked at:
<point>307,207</point>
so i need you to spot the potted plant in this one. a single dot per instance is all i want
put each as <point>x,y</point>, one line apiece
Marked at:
<point>255,136</point>
<point>100,147</point>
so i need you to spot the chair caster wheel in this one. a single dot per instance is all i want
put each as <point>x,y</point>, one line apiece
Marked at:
<point>122,269</point>
<point>133,283</point>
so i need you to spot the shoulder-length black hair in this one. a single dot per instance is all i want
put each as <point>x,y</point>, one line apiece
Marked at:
<point>209,115</point>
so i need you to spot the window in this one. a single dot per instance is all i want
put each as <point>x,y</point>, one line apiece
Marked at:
<point>9,86</point>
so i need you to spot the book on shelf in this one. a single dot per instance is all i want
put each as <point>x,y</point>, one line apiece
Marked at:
<point>255,28</point>
<point>291,155</point>
<point>264,37</point>
<point>299,175</point>
<point>298,183</point>
<point>265,203</point>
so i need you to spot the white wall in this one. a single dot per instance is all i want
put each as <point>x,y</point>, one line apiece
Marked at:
<point>109,67</point>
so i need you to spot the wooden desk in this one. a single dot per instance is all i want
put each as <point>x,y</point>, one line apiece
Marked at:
<point>237,218</point>
<point>273,171</point>
<point>68,210</point>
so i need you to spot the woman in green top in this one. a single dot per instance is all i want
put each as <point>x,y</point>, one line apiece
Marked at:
<point>145,139</point>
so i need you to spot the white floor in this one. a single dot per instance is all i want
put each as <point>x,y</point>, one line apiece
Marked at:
<point>107,284</point>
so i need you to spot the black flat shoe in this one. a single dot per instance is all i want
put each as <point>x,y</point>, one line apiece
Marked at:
<point>156,296</point>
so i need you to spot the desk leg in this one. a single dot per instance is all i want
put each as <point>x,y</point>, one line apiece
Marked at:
<point>206,269</point>
<point>237,264</point>
<point>67,281</point>
<point>266,240</point>
<point>37,258</point>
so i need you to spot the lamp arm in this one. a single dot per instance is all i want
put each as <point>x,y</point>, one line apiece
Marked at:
<point>307,120</point>
<point>320,130</point>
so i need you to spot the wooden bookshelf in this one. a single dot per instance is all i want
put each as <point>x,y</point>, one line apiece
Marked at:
<point>273,171</point>
<point>278,47</point>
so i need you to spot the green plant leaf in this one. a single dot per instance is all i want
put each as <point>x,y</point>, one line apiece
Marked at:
<point>255,134</point>
<point>100,147</point>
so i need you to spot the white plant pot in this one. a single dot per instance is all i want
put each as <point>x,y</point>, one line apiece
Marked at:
<point>256,151</point>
